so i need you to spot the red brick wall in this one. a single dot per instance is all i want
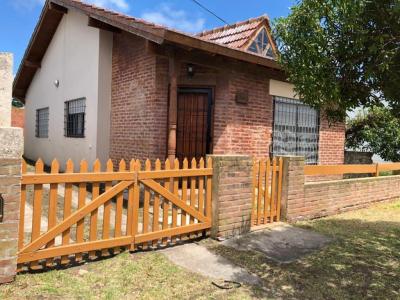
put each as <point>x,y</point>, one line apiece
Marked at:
<point>17,117</point>
<point>10,189</point>
<point>140,106</point>
<point>243,128</point>
<point>331,142</point>
<point>138,113</point>
<point>317,199</point>
<point>231,192</point>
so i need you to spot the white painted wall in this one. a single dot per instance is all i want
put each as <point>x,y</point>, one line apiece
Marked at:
<point>75,58</point>
<point>104,103</point>
<point>282,89</point>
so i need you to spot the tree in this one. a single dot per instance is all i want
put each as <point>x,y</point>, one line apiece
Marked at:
<point>342,54</point>
<point>376,130</point>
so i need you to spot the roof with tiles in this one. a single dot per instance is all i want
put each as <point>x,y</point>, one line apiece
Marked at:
<point>235,35</point>
<point>226,41</point>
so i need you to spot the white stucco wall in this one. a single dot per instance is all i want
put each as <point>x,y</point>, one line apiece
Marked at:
<point>104,103</point>
<point>73,58</point>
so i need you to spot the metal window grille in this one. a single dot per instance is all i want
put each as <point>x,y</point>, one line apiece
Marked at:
<point>42,123</point>
<point>296,129</point>
<point>74,118</point>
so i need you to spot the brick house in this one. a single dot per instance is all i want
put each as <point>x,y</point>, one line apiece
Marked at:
<point>99,84</point>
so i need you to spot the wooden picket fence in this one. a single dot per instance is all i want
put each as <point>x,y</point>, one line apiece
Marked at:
<point>267,191</point>
<point>129,208</point>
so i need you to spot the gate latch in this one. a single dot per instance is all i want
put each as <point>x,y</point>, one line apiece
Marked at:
<point>1,208</point>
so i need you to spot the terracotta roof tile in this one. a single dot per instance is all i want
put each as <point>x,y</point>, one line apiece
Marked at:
<point>235,35</point>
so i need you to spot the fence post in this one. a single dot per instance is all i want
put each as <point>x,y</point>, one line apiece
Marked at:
<point>293,179</point>
<point>231,195</point>
<point>377,170</point>
<point>11,147</point>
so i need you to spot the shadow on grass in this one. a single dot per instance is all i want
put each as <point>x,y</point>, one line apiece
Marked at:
<point>363,261</point>
<point>103,255</point>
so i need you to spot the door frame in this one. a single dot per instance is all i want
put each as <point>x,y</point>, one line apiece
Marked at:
<point>182,89</point>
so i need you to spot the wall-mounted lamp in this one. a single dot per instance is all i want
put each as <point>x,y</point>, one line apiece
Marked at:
<point>190,70</point>
<point>1,209</point>
<point>56,83</point>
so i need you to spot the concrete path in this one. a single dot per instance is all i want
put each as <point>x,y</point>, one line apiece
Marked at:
<point>282,243</point>
<point>198,259</point>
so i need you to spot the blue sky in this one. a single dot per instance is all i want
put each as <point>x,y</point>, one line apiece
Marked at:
<point>19,17</point>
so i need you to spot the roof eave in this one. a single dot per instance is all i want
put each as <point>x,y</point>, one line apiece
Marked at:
<point>195,42</point>
<point>15,90</point>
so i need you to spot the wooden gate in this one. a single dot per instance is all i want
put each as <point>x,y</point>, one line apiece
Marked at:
<point>267,191</point>
<point>105,210</point>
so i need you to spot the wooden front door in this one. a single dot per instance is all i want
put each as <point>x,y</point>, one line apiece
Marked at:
<point>193,136</point>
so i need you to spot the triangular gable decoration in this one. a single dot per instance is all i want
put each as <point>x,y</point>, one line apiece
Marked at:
<point>262,44</point>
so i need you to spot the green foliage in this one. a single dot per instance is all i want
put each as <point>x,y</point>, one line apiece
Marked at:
<point>378,131</point>
<point>342,54</point>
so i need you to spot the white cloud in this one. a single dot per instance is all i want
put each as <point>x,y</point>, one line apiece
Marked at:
<point>121,5</point>
<point>174,18</point>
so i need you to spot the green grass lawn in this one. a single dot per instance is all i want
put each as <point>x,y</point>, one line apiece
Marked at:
<point>362,262</point>
<point>125,276</point>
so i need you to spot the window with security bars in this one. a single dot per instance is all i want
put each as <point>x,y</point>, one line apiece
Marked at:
<point>42,123</point>
<point>296,129</point>
<point>74,118</point>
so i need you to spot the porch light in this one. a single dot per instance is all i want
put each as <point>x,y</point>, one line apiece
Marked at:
<point>190,70</point>
<point>56,83</point>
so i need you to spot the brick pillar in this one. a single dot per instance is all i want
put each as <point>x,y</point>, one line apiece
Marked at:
<point>293,202</point>
<point>6,78</point>
<point>231,195</point>
<point>11,148</point>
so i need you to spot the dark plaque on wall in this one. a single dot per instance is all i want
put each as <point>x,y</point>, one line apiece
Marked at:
<point>242,97</point>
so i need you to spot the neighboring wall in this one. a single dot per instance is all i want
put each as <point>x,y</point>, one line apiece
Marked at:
<point>72,58</point>
<point>356,157</point>
<point>17,117</point>
<point>317,199</point>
